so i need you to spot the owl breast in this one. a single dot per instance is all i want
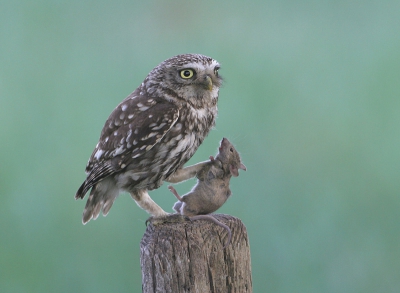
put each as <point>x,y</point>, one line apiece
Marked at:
<point>171,153</point>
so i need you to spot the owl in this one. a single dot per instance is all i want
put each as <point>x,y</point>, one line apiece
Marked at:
<point>152,133</point>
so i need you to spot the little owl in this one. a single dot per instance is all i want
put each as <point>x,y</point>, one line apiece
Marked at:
<point>152,133</point>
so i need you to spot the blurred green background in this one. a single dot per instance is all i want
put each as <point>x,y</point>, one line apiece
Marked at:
<point>311,100</point>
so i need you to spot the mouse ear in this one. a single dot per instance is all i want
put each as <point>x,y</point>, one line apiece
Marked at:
<point>243,167</point>
<point>210,175</point>
<point>234,171</point>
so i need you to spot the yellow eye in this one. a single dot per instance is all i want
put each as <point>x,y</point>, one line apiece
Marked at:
<point>186,73</point>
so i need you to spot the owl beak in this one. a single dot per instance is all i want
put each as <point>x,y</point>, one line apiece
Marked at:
<point>208,83</point>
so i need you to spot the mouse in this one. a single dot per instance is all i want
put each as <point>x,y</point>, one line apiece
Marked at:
<point>212,187</point>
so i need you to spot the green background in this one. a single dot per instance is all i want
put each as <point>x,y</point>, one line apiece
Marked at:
<point>311,100</point>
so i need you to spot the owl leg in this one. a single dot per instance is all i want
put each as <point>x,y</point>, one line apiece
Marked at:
<point>144,201</point>
<point>186,173</point>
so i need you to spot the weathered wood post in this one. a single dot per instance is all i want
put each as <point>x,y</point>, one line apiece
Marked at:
<point>189,257</point>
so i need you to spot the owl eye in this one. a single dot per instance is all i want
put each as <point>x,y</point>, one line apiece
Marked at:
<point>186,73</point>
<point>216,70</point>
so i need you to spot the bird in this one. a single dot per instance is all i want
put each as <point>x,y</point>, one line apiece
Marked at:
<point>152,133</point>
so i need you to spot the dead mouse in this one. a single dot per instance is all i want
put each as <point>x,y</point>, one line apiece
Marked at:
<point>212,188</point>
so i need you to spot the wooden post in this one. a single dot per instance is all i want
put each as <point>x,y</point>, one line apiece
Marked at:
<point>188,256</point>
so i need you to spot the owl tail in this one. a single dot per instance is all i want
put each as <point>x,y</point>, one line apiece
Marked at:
<point>79,193</point>
<point>101,198</point>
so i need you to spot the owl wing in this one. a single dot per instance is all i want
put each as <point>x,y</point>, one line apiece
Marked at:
<point>133,128</point>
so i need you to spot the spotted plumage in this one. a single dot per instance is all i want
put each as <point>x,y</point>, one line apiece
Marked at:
<point>152,133</point>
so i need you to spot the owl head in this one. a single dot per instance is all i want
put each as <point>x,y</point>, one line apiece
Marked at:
<point>190,78</point>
